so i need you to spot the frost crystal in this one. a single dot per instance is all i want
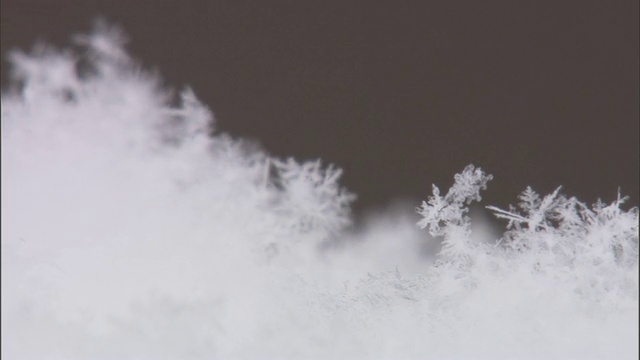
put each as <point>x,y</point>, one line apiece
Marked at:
<point>132,230</point>
<point>445,216</point>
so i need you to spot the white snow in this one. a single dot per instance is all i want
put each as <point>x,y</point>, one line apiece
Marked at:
<point>128,233</point>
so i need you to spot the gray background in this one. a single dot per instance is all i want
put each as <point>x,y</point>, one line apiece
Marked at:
<point>540,93</point>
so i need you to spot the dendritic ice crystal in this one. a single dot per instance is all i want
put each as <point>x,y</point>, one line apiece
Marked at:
<point>133,227</point>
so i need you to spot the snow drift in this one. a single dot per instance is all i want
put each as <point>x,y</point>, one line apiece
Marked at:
<point>133,228</point>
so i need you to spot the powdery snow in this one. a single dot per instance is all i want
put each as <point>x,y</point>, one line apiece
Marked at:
<point>130,233</point>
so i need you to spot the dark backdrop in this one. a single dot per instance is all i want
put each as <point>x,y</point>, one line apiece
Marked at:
<point>539,93</point>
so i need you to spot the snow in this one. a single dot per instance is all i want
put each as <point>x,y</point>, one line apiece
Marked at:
<point>129,233</point>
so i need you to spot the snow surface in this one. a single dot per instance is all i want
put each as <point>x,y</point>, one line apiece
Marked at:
<point>130,233</point>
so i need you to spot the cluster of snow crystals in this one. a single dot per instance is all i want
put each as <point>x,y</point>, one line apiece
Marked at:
<point>597,247</point>
<point>445,216</point>
<point>311,197</point>
<point>132,229</point>
<point>558,259</point>
<point>117,198</point>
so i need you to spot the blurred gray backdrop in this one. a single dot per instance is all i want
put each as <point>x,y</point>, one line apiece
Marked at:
<point>540,93</point>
